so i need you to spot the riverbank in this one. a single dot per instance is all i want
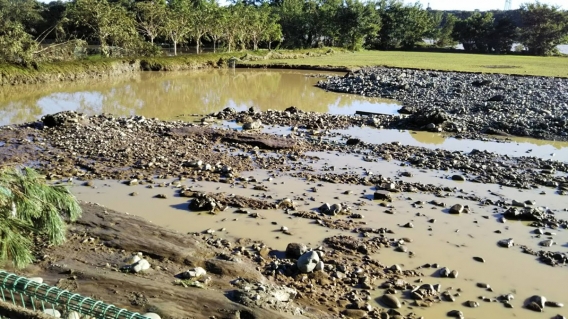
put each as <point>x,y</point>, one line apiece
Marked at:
<point>327,59</point>
<point>395,226</point>
<point>103,68</point>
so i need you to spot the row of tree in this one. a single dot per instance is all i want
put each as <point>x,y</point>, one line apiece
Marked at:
<point>127,27</point>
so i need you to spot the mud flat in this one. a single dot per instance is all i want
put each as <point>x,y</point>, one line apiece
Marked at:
<point>310,224</point>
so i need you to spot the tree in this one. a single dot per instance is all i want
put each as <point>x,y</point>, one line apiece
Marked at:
<point>25,12</point>
<point>357,22</point>
<point>292,19</point>
<point>242,16</point>
<point>503,34</point>
<point>30,208</point>
<point>444,33</point>
<point>273,32</point>
<point>177,26</point>
<point>234,26</point>
<point>543,28</point>
<point>259,26</point>
<point>416,24</point>
<point>201,21</point>
<point>16,45</point>
<point>150,16</point>
<point>215,31</point>
<point>108,23</point>
<point>403,25</point>
<point>474,32</point>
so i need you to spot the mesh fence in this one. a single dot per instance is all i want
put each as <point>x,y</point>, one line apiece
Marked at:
<point>32,295</point>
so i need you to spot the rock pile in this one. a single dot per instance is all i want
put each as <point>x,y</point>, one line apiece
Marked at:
<point>456,102</point>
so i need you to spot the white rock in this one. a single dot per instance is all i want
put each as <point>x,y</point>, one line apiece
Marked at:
<point>141,265</point>
<point>39,280</point>
<point>152,315</point>
<point>284,294</point>
<point>194,273</point>
<point>132,259</point>
<point>319,266</point>
<point>308,261</point>
<point>73,315</point>
<point>52,312</point>
<point>199,271</point>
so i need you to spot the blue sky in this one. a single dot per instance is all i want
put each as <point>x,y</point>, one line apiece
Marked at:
<point>481,4</point>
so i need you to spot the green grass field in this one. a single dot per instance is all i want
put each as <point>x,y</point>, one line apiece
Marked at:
<point>509,64</point>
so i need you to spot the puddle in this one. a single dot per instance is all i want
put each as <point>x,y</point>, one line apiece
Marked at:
<point>452,241</point>
<point>167,95</point>
<point>517,147</point>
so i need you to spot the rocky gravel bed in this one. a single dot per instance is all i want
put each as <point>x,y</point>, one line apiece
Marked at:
<point>466,102</point>
<point>480,166</point>
<point>340,278</point>
<point>524,172</point>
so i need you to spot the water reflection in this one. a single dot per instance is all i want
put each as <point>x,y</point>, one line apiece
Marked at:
<point>520,146</point>
<point>167,95</point>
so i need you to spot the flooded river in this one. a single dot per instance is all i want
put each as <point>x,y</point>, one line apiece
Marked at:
<point>452,241</point>
<point>177,95</point>
<point>169,95</point>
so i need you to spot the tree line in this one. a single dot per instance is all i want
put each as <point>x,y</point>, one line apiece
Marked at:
<point>132,27</point>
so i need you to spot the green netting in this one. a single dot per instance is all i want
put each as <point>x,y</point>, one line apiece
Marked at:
<point>36,296</point>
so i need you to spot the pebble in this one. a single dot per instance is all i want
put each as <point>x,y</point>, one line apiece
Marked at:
<point>538,300</point>
<point>479,259</point>
<point>457,209</point>
<point>39,280</point>
<point>483,285</point>
<point>152,315</point>
<point>141,265</point>
<point>445,272</point>
<point>295,250</point>
<point>52,312</point>
<point>196,272</point>
<point>391,301</point>
<point>547,243</point>
<point>507,243</point>
<point>554,304</point>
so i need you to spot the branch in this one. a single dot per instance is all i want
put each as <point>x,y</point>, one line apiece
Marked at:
<point>45,34</point>
<point>52,46</point>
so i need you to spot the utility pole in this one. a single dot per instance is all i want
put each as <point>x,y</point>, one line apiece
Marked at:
<point>508,5</point>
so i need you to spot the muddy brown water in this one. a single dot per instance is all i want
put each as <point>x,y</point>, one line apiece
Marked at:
<point>168,95</point>
<point>175,95</point>
<point>451,241</point>
<point>512,146</point>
